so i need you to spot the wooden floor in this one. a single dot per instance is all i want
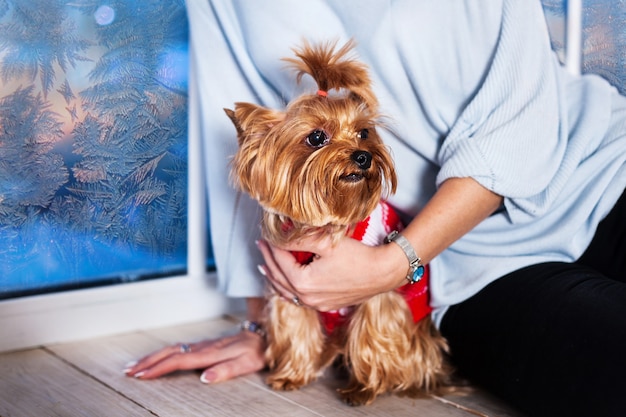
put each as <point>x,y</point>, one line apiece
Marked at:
<point>86,379</point>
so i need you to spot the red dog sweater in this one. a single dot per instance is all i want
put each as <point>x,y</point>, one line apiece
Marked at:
<point>372,231</point>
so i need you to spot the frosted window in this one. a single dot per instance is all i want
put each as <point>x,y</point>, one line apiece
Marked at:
<point>93,143</point>
<point>603,37</point>
<point>604,40</point>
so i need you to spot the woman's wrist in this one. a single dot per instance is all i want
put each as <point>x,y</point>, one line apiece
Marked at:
<point>254,316</point>
<point>255,307</point>
<point>394,265</point>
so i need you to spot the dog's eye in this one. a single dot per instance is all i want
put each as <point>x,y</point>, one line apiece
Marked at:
<point>317,139</point>
<point>363,134</point>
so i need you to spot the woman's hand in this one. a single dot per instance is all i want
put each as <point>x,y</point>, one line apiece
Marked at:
<point>345,274</point>
<point>221,359</point>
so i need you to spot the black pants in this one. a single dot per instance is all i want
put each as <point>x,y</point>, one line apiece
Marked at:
<point>551,338</point>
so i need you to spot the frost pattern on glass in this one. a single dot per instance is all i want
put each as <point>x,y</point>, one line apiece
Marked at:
<point>604,40</point>
<point>603,37</point>
<point>93,142</point>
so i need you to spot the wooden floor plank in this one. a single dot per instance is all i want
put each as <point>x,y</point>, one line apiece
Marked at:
<point>36,383</point>
<point>321,396</point>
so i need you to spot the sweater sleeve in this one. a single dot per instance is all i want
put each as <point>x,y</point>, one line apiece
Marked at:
<point>508,136</point>
<point>220,81</point>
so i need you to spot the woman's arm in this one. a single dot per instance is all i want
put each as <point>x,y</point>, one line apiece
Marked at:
<point>351,272</point>
<point>456,208</point>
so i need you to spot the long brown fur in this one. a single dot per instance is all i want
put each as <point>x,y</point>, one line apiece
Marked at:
<point>306,191</point>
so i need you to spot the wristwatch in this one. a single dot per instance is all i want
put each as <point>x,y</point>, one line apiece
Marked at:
<point>416,269</point>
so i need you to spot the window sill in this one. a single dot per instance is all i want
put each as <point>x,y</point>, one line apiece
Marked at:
<point>83,314</point>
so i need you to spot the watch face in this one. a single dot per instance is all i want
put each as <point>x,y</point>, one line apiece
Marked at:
<point>417,274</point>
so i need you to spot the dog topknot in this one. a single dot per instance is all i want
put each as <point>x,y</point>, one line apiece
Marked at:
<point>334,69</point>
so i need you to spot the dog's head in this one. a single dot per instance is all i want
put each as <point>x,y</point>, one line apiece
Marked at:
<point>319,163</point>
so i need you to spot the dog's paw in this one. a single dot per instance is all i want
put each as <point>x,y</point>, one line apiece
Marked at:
<point>284,384</point>
<point>356,396</point>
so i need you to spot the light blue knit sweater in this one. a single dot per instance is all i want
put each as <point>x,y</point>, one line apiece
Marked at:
<point>473,90</point>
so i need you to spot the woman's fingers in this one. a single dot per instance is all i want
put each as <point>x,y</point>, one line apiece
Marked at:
<point>245,363</point>
<point>138,367</point>
<point>169,359</point>
<point>273,271</point>
<point>290,278</point>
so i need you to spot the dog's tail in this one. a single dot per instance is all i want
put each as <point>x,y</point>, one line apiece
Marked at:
<point>334,70</point>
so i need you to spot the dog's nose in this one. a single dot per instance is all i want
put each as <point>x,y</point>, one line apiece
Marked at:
<point>363,159</point>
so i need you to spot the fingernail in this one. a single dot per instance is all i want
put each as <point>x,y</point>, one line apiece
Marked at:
<point>139,374</point>
<point>207,377</point>
<point>261,270</point>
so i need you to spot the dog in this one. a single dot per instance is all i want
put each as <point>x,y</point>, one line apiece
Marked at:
<point>320,167</point>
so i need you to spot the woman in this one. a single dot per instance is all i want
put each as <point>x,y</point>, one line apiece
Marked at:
<point>507,165</point>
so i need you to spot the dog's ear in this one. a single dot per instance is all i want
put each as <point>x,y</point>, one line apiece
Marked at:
<point>231,115</point>
<point>251,120</point>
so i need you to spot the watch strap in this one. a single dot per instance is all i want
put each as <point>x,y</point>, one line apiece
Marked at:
<point>416,269</point>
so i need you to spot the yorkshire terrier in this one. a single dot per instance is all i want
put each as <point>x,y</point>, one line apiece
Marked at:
<point>319,167</point>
